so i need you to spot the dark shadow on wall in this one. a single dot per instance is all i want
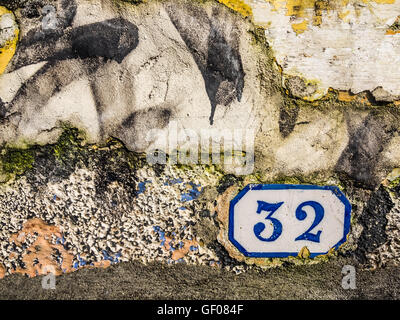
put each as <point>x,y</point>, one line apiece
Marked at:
<point>361,159</point>
<point>374,222</point>
<point>69,53</point>
<point>217,58</point>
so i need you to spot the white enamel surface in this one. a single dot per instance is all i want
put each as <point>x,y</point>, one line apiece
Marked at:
<point>246,217</point>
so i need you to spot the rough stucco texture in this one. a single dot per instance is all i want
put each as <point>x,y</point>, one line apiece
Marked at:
<point>315,81</point>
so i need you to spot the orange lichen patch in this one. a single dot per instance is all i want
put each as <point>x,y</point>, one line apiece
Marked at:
<point>364,99</point>
<point>397,103</point>
<point>222,210</point>
<point>346,96</point>
<point>39,257</point>
<point>392,32</point>
<point>304,253</point>
<point>182,251</point>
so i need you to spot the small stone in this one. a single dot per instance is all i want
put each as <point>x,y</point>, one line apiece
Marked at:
<point>381,95</point>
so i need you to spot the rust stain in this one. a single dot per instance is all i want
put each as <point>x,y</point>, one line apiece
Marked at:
<point>2,271</point>
<point>44,255</point>
<point>180,252</point>
<point>39,256</point>
<point>101,264</point>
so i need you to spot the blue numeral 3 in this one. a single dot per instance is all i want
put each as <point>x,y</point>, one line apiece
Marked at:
<point>259,227</point>
<point>319,215</point>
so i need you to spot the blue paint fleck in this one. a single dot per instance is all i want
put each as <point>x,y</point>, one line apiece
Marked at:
<point>142,186</point>
<point>81,261</point>
<point>60,240</point>
<point>193,193</point>
<point>108,257</point>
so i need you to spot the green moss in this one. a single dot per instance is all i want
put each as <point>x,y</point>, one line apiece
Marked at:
<point>70,141</point>
<point>394,183</point>
<point>16,161</point>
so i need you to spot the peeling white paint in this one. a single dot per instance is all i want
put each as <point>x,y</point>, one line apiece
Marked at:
<point>349,50</point>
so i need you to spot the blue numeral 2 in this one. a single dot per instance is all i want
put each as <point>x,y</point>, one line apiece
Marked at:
<point>259,227</point>
<point>319,215</point>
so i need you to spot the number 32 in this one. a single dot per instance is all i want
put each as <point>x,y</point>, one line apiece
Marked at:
<point>300,215</point>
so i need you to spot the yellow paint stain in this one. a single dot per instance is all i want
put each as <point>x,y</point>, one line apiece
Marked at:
<point>8,50</point>
<point>298,7</point>
<point>313,9</point>
<point>239,6</point>
<point>4,10</point>
<point>300,27</point>
<point>301,8</point>
<point>343,15</point>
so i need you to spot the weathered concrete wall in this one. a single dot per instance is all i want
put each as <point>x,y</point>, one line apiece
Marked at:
<point>315,81</point>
